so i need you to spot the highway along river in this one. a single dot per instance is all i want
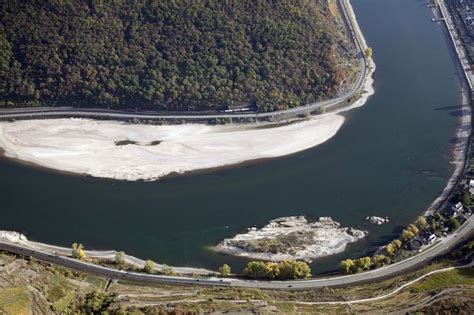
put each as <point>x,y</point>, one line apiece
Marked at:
<point>391,158</point>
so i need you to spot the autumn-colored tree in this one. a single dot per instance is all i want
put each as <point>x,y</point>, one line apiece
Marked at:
<point>149,266</point>
<point>397,244</point>
<point>413,229</point>
<point>368,53</point>
<point>120,258</point>
<point>288,269</point>
<point>168,55</point>
<point>78,251</point>
<point>257,270</point>
<point>390,249</point>
<point>347,265</point>
<point>224,270</point>
<point>293,269</point>
<point>421,222</point>
<point>407,235</point>
<point>380,260</point>
<point>363,263</point>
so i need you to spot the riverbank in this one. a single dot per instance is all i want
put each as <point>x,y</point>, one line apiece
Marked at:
<point>19,239</point>
<point>313,185</point>
<point>122,151</point>
<point>142,152</point>
<point>461,147</point>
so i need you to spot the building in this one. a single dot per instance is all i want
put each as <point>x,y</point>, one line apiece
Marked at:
<point>451,213</point>
<point>471,186</point>
<point>454,210</point>
<point>465,9</point>
<point>427,237</point>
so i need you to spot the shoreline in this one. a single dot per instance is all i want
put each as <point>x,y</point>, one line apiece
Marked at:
<point>30,157</point>
<point>88,147</point>
<point>46,160</point>
<point>461,150</point>
<point>445,188</point>
<point>460,156</point>
<point>106,255</point>
<point>366,90</point>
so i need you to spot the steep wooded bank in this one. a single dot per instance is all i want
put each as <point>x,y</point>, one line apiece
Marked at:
<point>171,55</point>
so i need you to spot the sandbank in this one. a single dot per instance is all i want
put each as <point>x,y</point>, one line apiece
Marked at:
<point>97,148</point>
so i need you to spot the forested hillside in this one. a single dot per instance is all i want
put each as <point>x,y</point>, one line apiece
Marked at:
<point>170,55</point>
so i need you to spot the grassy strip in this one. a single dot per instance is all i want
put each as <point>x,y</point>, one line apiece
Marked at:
<point>61,304</point>
<point>445,280</point>
<point>15,300</point>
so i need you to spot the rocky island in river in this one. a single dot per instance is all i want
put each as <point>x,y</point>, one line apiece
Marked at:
<point>292,238</point>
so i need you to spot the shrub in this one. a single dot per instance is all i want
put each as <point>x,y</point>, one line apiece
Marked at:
<point>78,251</point>
<point>120,258</point>
<point>149,266</point>
<point>381,260</point>
<point>225,270</point>
<point>413,229</point>
<point>257,270</point>
<point>364,263</point>
<point>407,235</point>
<point>347,265</point>
<point>421,222</point>
<point>390,249</point>
<point>397,244</point>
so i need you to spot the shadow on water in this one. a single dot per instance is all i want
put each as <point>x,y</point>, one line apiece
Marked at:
<point>447,108</point>
<point>458,140</point>
<point>459,113</point>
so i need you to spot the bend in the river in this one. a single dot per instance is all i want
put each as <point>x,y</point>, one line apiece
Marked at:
<point>391,158</point>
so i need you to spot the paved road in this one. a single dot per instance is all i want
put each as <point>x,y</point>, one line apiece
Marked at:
<point>386,295</point>
<point>441,247</point>
<point>47,112</point>
<point>106,272</point>
<point>457,42</point>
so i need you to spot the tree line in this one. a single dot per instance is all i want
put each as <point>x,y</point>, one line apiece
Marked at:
<point>170,55</point>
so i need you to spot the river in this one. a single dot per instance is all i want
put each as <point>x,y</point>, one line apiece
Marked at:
<point>390,158</point>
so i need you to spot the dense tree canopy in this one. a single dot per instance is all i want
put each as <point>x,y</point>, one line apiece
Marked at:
<point>170,55</point>
<point>288,269</point>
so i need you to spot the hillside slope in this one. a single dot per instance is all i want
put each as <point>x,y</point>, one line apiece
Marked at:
<point>171,55</point>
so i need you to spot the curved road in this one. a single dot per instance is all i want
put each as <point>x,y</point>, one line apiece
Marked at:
<point>440,247</point>
<point>386,295</point>
<point>47,112</point>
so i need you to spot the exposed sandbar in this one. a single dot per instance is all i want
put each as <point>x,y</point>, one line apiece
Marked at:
<point>124,151</point>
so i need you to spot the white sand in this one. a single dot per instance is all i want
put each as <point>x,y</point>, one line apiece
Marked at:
<point>88,146</point>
